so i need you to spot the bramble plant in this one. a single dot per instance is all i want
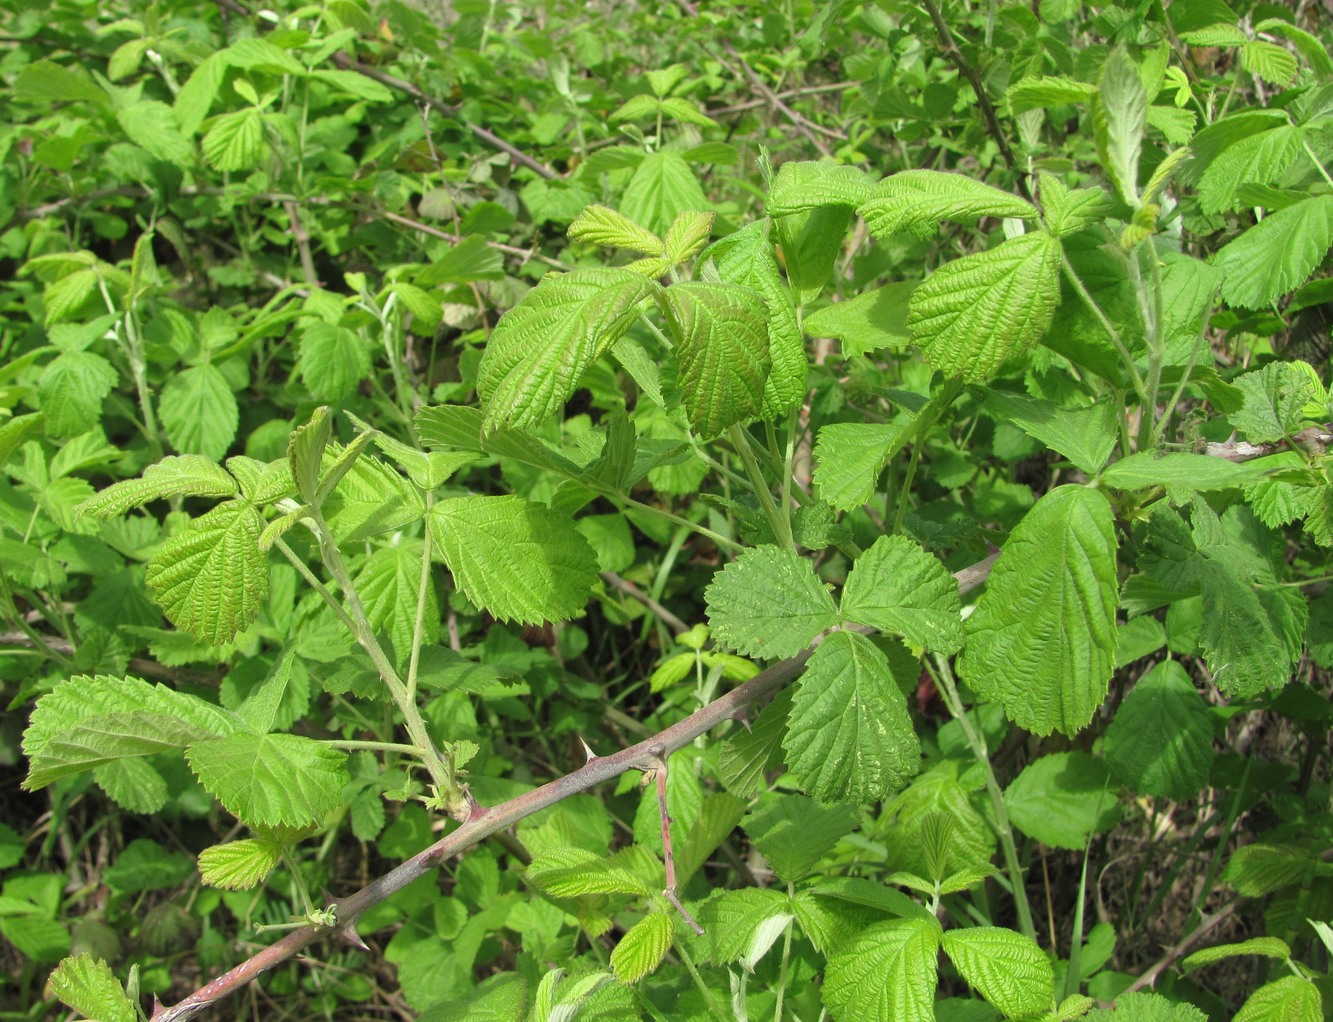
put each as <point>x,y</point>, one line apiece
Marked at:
<point>890,442</point>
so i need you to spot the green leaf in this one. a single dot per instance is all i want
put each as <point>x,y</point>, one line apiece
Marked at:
<point>643,947</point>
<point>1269,947</point>
<point>185,475</point>
<point>732,920</point>
<point>211,577</point>
<point>721,332</point>
<point>1042,639</point>
<point>389,582</point>
<point>236,140</point>
<point>1200,472</point>
<point>743,614</point>
<point>271,780</point>
<point>746,258</point>
<point>663,187</point>
<point>973,314</point>
<point>1275,64</point>
<point>1067,211</point>
<point>1161,740</point>
<point>598,225</point>
<point>1062,798</point>
<point>886,974</point>
<point>15,433</point>
<point>849,457</point>
<point>576,873</point>
<point>152,125</point>
<point>542,347</point>
<point>1146,1008</point>
<point>1086,436</point>
<point>334,360</point>
<point>199,411</point>
<point>1289,999</point>
<point>515,559</point>
<point>800,186</point>
<point>471,259</point>
<point>45,81</point>
<point>356,84</point>
<point>718,817</point>
<point>1251,639</point>
<point>918,200</point>
<point>1275,400</point>
<point>1277,254</point>
<point>793,832</point>
<point>849,735</point>
<point>896,586</point>
<point>239,865</point>
<point>811,243</point>
<point>90,988</point>
<point>1261,158</point>
<point>1006,968</point>
<point>1119,117</point>
<point>305,452</point>
<point>748,754</point>
<point>1048,90</point>
<point>1260,869</point>
<point>686,111</point>
<point>71,390</point>
<point>96,741</point>
<point>145,865</point>
<point>873,319</point>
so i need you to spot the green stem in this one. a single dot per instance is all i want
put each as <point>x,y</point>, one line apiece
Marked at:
<point>943,675</point>
<point>1110,329</point>
<point>714,1008</point>
<point>904,495</point>
<point>1315,159</point>
<point>352,746</point>
<point>786,958</point>
<point>778,522</point>
<point>1150,311</point>
<point>134,354</point>
<point>419,625</point>
<point>720,541</point>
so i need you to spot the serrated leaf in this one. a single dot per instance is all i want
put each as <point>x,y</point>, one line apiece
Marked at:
<point>1068,210</point>
<point>90,988</point>
<point>972,314</point>
<point>1277,254</point>
<point>849,735</point>
<point>793,832</point>
<point>806,185</point>
<point>920,199</point>
<point>14,433</point>
<point>1042,639</point>
<point>1161,740</point>
<point>238,865</point>
<point>1289,999</point>
<point>886,974</point>
<point>151,125</point>
<point>185,475</point>
<point>271,780</point>
<point>1061,798</point>
<point>743,614</point>
<point>896,586</point>
<point>1049,90</point>
<point>1251,639</point>
<point>598,225</point>
<point>211,577</point>
<point>748,754</point>
<point>1086,436</point>
<point>643,947</point>
<point>718,817</point>
<point>542,347</point>
<point>71,390</point>
<point>45,81</point>
<point>722,344</point>
<point>1275,400</point>
<point>1119,116</point>
<point>518,560</point>
<point>732,918</point>
<point>1006,968</point>
<point>356,84</point>
<point>199,411</point>
<point>687,235</point>
<point>1269,947</point>
<point>1275,64</point>
<point>578,873</point>
<point>236,140</point>
<point>1201,472</point>
<point>96,741</point>
<point>686,111</point>
<point>1261,158</point>
<point>389,583</point>
<point>663,186</point>
<point>333,360</point>
<point>1260,869</point>
<point>848,459</point>
<point>1142,1007</point>
<point>132,784</point>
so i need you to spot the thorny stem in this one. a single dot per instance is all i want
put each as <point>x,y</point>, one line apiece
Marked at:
<point>668,853</point>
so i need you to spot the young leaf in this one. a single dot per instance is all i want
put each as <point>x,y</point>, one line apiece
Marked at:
<point>643,947</point>
<point>1289,999</point>
<point>1161,740</point>
<point>1260,159</point>
<point>919,199</point>
<point>518,560</point>
<point>663,186</point>
<point>333,360</point>
<point>973,314</point>
<point>389,582</point>
<point>1259,869</point>
<point>305,452</point>
<point>1269,947</point>
<point>722,344</point>
<point>1042,639</point>
<point>185,475</point>
<point>71,390</point>
<point>732,919</point>
<point>849,735</point>
<point>542,346</point>
<point>1061,798</point>
<point>896,586</point>
<point>1067,211</point>
<point>1251,638</point>
<point>886,974</point>
<point>598,225</point>
<point>1119,116</point>
<point>578,873</point>
<point>801,186</point>
<point>96,741</point>
<point>271,780</point>
<point>1276,397</point>
<point>199,412</point>
<point>90,988</point>
<point>1006,968</point>
<point>849,457</point>
<point>1139,1007</point>
<point>1182,469</point>
<point>811,243</point>
<point>236,140</point>
<point>238,865</point>
<point>1277,254</point>
<point>687,235</point>
<point>744,615</point>
<point>211,577</point>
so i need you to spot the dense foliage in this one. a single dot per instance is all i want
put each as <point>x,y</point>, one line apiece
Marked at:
<point>871,457</point>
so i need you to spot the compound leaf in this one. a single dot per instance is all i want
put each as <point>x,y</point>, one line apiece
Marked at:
<point>598,225</point>
<point>663,187</point>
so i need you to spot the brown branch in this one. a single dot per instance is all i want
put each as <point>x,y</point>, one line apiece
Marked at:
<point>483,822</point>
<point>1315,440</point>
<point>302,238</point>
<point>1179,950</point>
<point>668,854</point>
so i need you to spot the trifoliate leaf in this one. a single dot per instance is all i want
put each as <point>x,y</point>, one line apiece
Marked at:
<point>1061,798</point>
<point>722,344</point>
<point>90,988</point>
<point>920,199</point>
<point>238,865</point>
<point>886,974</point>
<point>663,186</point>
<point>1289,999</point>
<point>185,475</point>
<point>199,412</point>
<point>71,390</point>
<point>333,360</point>
<point>1042,639</point>
<point>1161,740</point>
<point>211,577</point>
<point>1006,968</point>
<point>643,947</point>
<point>973,314</point>
<point>542,346</point>
<point>849,735</point>
<point>271,780</point>
<point>745,616</point>
<point>1277,254</point>
<point>805,185</point>
<point>515,559</point>
<point>896,586</point>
